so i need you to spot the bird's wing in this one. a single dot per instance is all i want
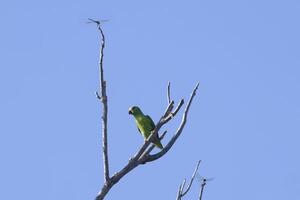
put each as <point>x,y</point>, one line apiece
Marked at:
<point>156,140</point>
<point>151,122</point>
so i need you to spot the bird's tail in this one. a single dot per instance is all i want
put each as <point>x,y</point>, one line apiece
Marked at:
<point>158,144</point>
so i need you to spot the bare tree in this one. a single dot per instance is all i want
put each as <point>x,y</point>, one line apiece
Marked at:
<point>182,191</point>
<point>143,155</point>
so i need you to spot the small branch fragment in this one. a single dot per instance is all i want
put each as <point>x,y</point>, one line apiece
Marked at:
<point>178,107</point>
<point>168,93</point>
<point>97,95</point>
<point>168,110</point>
<point>201,190</point>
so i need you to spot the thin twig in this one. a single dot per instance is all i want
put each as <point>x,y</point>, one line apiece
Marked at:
<point>168,110</point>
<point>103,98</point>
<point>169,115</point>
<point>201,190</point>
<point>180,189</point>
<point>178,197</point>
<point>168,93</point>
<point>182,185</point>
<point>181,193</point>
<point>192,179</point>
<point>178,107</point>
<point>97,95</point>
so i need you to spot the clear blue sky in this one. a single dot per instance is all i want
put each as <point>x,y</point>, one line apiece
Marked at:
<point>244,123</point>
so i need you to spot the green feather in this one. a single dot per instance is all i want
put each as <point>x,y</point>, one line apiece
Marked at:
<point>144,124</point>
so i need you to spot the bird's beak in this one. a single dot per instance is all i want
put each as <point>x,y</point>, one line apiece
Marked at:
<point>130,112</point>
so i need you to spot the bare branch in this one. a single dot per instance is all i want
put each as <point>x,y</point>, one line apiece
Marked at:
<point>182,185</point>
<point>169,115</point>
<point>201,190</point>
<point>103,98</point>
<point>178,197</point>
<point>178,132</point>
<point>169,102</point>
<point>178,107</point>
<point>204,182</point>
<point>180,189</point>
<point>192,179</point>
<point>180,192</point>
<point>168,110</point>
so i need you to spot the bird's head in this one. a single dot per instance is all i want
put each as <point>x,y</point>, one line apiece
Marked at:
<point>134,110</point>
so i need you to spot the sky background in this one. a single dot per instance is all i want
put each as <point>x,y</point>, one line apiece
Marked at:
<point>244,123</point>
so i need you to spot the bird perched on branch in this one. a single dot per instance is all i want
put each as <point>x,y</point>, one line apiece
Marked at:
<point>144,124</point>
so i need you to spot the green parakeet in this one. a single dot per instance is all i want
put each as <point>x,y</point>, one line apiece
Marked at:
<point>144,124</point>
